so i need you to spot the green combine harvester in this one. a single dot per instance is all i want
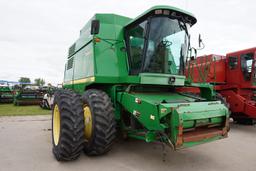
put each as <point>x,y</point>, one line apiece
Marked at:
<point>126,75</point>
<point>6,94</point>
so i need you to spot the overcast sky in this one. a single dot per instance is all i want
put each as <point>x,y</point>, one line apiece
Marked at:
<point>35,34</point>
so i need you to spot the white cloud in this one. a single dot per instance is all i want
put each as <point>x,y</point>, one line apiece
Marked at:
<point>35,35</point>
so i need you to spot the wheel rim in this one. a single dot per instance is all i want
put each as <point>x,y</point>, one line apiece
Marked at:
<point>87,122</point>
<point>56,124</point>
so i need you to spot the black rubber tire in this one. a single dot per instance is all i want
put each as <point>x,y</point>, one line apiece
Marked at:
<point>71,140</point>
<point>224,101</point>
<point>103,122</point>
<point>42,104</point>
<point>245,121</point>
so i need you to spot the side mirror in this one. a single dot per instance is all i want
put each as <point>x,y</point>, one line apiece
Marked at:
<point>200,40</point>
<point>193,53</point>
<point>95,27</point>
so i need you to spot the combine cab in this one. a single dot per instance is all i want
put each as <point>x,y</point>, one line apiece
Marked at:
<point>125,75</point>
<point>6,94</point>
<point>233,76</point>
<point>30,95</point>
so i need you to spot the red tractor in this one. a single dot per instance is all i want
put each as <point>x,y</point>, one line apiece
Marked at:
<point>233,77</point>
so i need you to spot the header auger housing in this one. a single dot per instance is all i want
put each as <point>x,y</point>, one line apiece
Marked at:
<point>127,74</point>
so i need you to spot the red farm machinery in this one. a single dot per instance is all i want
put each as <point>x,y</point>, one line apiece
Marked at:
<point>233,77</point>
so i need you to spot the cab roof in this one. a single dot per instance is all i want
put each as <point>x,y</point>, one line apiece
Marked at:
<point>164,7</point>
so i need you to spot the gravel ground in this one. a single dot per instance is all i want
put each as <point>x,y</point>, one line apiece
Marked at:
<point>26,146</point>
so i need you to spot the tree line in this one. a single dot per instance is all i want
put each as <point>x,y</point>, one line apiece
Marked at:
<point>37,81</point>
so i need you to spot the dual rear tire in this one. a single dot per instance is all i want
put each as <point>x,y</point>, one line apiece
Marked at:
<point>82,123</point>
<point>67,126</point>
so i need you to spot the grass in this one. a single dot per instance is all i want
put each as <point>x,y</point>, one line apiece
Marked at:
<point>11,110</point>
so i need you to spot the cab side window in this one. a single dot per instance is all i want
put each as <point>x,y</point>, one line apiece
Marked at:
<point>232,62</point>
<point>246,65</point>
<point>136,44</point>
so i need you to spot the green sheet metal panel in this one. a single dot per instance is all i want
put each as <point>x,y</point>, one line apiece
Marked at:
<point>110,60</point>
<point>103,59</point>
<point>162,79</point>
<point>80,65</point>
<point>68,74</point>
<point>84,62</point>
<point>84,38</point>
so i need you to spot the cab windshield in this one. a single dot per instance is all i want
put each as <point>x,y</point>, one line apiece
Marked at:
<point>158,45</point>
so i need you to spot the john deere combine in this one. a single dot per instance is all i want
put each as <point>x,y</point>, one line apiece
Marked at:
<point>126,75</point>
<point>6,94</point>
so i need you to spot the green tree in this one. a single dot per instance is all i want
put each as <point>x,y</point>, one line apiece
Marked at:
<point>24,80</point>
<point>39,82</point>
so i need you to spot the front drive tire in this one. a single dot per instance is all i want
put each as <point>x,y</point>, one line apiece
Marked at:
<point>67,126</point>
<point>100,122</point>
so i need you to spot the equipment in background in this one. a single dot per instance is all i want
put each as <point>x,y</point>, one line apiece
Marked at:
<point>6,94</point>
<point>29,95</point>
<point>47,101</point>
<point>233,76</point>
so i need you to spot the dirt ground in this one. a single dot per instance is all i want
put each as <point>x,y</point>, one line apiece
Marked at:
<point>25,145</point>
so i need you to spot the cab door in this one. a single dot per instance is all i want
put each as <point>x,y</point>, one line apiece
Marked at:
<point>233,74</point>
<point>247,68</point>
<point>254,70</point>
